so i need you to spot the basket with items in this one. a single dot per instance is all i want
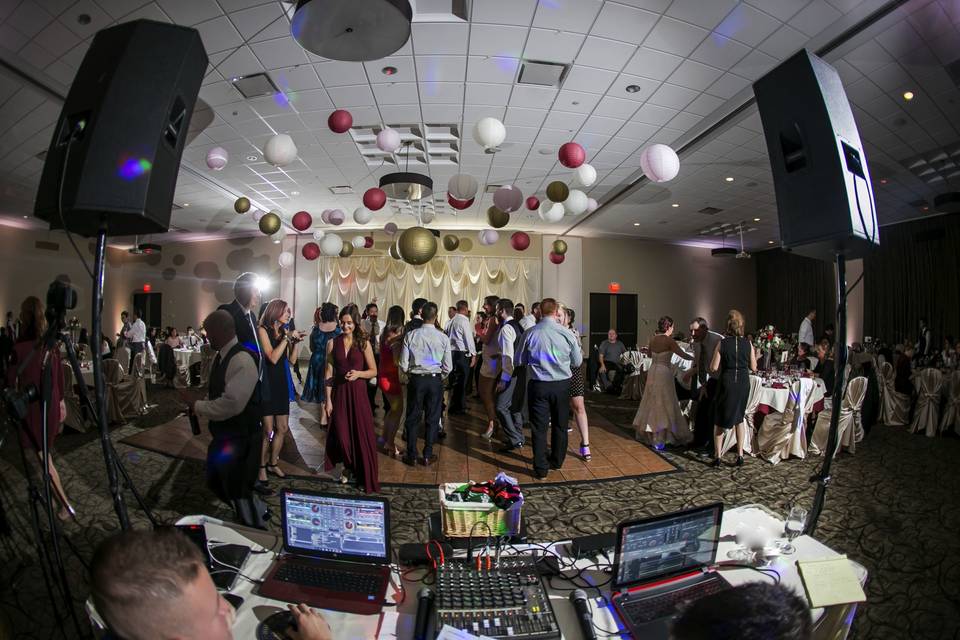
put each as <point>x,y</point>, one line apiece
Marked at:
<point>497,504</point>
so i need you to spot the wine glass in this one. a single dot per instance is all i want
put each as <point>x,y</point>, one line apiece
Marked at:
<point>793,527</point>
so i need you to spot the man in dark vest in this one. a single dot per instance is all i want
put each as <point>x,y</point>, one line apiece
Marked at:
<point>508,338</point>
<point>233,457</point>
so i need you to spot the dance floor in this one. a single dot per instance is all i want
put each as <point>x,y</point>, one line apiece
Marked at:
<point>464,455</point>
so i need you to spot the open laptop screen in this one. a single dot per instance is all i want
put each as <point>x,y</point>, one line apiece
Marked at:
<point>336,526</point>
<point>666,545</point>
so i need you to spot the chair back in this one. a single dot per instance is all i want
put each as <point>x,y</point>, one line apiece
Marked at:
<point>136,371</point>
<point>753,398</point>
<point>68,381</point>
<point>122,354</point>
<point>886,371</point>
<point>856,392</point>
<point>931,380</point>
<point>112,371</point>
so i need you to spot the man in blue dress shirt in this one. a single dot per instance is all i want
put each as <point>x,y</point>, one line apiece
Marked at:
<point>549,352</point>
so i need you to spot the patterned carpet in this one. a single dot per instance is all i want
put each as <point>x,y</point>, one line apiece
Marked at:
<point>893,507</point>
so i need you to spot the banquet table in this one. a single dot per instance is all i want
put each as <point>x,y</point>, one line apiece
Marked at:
<point>187,357</point>
<point>774,396</point>
<point>86,369</point>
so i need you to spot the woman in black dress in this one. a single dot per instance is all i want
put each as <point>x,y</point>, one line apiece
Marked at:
<point>734,359</point>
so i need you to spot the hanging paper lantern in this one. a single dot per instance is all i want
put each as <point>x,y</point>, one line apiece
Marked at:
<point>279,235</point>
<point>368,242</point>
<point>241,204</point>
<point>340,121</point>
<point>585,175</point>
<point>466,244</point>
<point>459,205</point>
<point>358,242</point>
<point>394,251</point>
<point>592,205</point>
<point>346,250</point>
<point>325,216</point>
<point>270,223</point>
<point>462,187</point>
<point>559,247</point>
<point>390,228</point>
<point>556,258</point>
<point>302,221</point>
<point>571,155</point>
<point>280,150</point>
<point>217,158</point>
<point>508,198</point>
<point>533,202</point>
<point>551,211</point>
<point>331,244</point>
<point>318,234</point>
<point>286,260</point>
<point>488,236</point>
<point>388,140</point>
<point>362,215</point>
<point>520,241</point>
<point>497,218</point>
<point>337,217</point>
<point>258,215</point>
<point>576,202</point>
<point>310,251</point>
<point>489,133</point>
<point>557,191</point>
<point>417,245</point>
<point>374,198</point>
<point>659,163</point>
<point>613,287</point>
<point>427,216</point>
<point>451,242</point>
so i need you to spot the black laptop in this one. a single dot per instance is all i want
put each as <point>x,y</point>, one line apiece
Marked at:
<point>663,562</point>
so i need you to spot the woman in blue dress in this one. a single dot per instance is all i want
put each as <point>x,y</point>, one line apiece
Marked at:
<point>325,328</point>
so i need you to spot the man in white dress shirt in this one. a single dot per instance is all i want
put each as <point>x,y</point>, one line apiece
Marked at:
<point>805,335</point>
<point>509,336</point>
<point>136,335</point>
<point>531,318</point>
<point>464,352</point>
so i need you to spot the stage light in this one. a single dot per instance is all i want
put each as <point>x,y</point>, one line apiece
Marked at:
<point>261,283</point>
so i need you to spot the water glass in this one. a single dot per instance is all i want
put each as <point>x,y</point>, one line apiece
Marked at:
<point>793,527</point>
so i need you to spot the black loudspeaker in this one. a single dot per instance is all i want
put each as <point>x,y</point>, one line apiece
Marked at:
<point>116,150</point>
<point>824,196</point>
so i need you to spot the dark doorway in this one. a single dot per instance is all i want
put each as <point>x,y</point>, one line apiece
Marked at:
<point>148,305</point>
<point>613,311</point>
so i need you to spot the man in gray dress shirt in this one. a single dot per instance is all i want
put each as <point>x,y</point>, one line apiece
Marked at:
<point>425,358</point>
<point>464,350</point>
<point>549,352</point>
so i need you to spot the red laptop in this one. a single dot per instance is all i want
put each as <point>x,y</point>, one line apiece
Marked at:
<point>336,552</point>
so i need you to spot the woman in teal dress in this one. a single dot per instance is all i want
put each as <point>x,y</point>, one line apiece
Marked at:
<point>325,328</point>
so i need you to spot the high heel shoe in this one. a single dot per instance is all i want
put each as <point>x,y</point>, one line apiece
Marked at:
<point>67,512</point>
<point>739,461</point>
<point>716,463</point>
<point>585,453</point>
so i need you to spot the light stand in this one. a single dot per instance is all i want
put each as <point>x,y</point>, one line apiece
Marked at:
<point>822,477</point>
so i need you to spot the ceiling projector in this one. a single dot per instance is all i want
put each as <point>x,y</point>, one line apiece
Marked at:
<point>144,249</point>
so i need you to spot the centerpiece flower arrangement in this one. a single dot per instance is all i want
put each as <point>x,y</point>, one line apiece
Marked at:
<point>74,323</point>
<point>768,339</point>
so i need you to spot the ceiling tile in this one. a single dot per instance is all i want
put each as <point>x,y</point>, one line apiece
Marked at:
<point>29,19</point>
<point>496,70</point>
<point>296,78</point>
<point>673,96</point>
<point>403,65</point>
<point>654,114</point>
<point>219,93</point>
<point>487,94</point>
<point>400,114</point>
<point>279,53</point>
<point>704,104</point>
<point>355,96</point>
<point>440,38</point>
<point>440,113</point>
<point>497,40</point>
<point>338,74</point>
<point>652,64</point>
<point>754,65</point>
<point>518,12</point>
<point>589,80</point>
<point>552,46</point>
<point>441,68</point>
<point>748,25</point>
<point>241,62</point>
<point>56,39</point>
<point>720,52</point>
<point>261,23</point>
<point>684,121</point>
<point>219,34</point>
<point>627,24</point>
<point>646,85</point>
<point>782,10</point>
<point>525,117</point>
<point>567,15</point>
<point>189,12</point>
<point>532,96</point>
<point>310,100</point>
<point>12,39</point>
<point>602,53</point>
<point>616,107</point>
<point>576,101</point>
<point>784,42</point>
<point>397,93</point>
<point>597,124</point>
<point>694,75</point>
<point>674,36</point>
<point>815,17</point>
<point>703,14</point>
<point>441,92</point>
<point>564,120</point>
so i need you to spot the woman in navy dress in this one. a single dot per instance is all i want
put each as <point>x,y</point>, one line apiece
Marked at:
<point>325,328</point>
<point>351,440</point>
<point>735,360</point>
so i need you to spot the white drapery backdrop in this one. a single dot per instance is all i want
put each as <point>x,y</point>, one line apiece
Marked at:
<point>444,280</point>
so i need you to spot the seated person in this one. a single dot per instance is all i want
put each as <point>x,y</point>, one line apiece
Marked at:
<point>824,368</point>
<point>801,360</point>
<point>610,372</point>
<point>756,611</point>
<point>192,340</point>
<point>154,584</point>
<point>173,338</point>
<point>904,370</point>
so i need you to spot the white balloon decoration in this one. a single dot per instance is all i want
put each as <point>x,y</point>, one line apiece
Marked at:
<point>331,245</point>
<point>217,158</point>
<point>551,211</point>
<point>576,203</point>
<point>388,140</point>
<point>318,234</point>
<point>286,260</point>
<point>660,163</point>
<point>362,215</point>
<point>427,216</point>
<point>592,205</point>
<point>489,133</point>
<point>585,175</point>
<point>488,236</point>
<point>358,242</point>
<point>462,186</point>
<point>280,150</point>
<point>508,198</point>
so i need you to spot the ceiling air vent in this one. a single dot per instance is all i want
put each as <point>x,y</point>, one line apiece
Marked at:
<point>544,74</point>
<point>439,10</point>
<point>258,84</point>
<point>491,188</point>
<point>341,190</point>
<point>710,211</point>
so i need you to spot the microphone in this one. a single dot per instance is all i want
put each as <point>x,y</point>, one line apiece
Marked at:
<point>424,604</point>
<point>584,618</point>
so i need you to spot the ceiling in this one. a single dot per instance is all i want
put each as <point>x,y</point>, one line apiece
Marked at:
<point>693,62</point>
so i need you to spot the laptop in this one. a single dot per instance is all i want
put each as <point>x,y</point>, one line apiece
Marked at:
<point>336,552</point>
<point>663,562</point>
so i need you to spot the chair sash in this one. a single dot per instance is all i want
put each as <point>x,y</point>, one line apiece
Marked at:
<point>895,408</point>
<point>784,434</point>
<point>131,393</point>
<point>951,411</point>
<point>207,354</point>
<point>112,375</point>
<point>849,430</point>
<point>730,435</point>
<point>75,418</point>
<point>926,413</point>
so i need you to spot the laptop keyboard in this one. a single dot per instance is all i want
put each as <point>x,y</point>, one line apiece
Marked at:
<point>645,609</point>
<point>327,578</point>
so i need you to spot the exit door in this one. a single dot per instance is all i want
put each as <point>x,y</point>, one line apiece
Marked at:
<point>613,311</point>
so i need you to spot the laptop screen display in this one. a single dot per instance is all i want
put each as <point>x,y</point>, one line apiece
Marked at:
<point>336,526</point>
<point>667,545</point>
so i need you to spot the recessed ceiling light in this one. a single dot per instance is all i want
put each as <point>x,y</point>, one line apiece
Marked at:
<point>388,71</point>
<point>636,224</point>
<point>729,178</point>
<point>675,205</point>
<point>633,88</point>
<point>252,158</point>
<point>908,95</point>
<point>294,193</point>
<point>756,219</point>
<point>883,181</point>
<point>544,152</point>
<point>575,103</point>
<point>25,217</point>
<point>185,204</point>
<point>924,208</point>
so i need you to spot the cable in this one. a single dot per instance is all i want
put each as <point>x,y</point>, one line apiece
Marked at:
<point>63,175</point>
<point>770,573</point>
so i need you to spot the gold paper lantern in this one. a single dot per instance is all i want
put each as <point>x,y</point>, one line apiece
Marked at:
<point>451,242</point>
<point>347,250</point>
<point>269,224</point>
<point>497,218</point>
<point>559,247</point>
<point>394,251</point>
<point>242,205</point>
<point>557,191</point>
<point>466,244</point>
<point>417,245</point>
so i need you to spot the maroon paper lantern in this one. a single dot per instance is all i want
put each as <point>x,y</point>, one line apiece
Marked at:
<point>368,242</point>
<point>340,121</point>
<point>557,258</point>
<point>311,251</point>
<point>533,202</point>
<point>460,205</point>
<point>302,221</point>
<point>374,198</point>
<point>572,155</point>
<point>520,241</point>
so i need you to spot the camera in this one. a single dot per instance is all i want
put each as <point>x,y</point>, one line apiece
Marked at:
<point>18,400</point>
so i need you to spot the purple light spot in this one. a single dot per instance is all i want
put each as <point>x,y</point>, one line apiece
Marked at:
<point>731,25</point>
<point>281,99</point>
<point>507,64</point>
<point>130,168</point>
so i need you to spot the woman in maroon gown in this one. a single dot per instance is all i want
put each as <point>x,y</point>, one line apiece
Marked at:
<point>351,440</point>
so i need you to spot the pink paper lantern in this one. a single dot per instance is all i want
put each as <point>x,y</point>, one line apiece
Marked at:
<point>340,121</point>
<point>368,242</point>
<point>520,241</point>
<point>390,228</point>
<point>374,198</point>
<point>325,216</point>
<point>508,198</point>
<point>302,221</point>
<point>572,155</point>
<point>311,251</point>
<point>459,205</point>
<point>533,203</point>
<point>556,258</point>
<point>337,217</point>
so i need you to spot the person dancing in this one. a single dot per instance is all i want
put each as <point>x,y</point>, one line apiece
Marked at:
<point>735,359</point>
<point>659,419</point>
<point>389,375</point>
<point>274,342</point>
<point>325,328</point>
<point>487,384</point>
<point>577,384</point>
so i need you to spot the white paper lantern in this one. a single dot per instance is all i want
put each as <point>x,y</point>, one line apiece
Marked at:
<point>390,228</point>
<point>358,242</point>
<point>489,133</point>
<point>462,186</point>
<point>427,216</point>
<point>551,211</point>
<point>508,198</point>
<point>280,150</point>
<point>217,158</point>
<point>318,234</point>
<point>257,214</point>
<point>488,236</point>
<point>576,202</point>
<point>362,215</point>
<point>388,140</point>
<point>592,205</point>
<point>337,217</point>
<point>585,175</point>
<point>659,163</point>
<point>286,260</point>
<point>279,235</point>
<point>331,244</point>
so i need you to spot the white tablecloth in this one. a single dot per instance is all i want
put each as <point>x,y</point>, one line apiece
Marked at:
<point>186,357</point>
<point>777,399</point>
<point>86,369</point>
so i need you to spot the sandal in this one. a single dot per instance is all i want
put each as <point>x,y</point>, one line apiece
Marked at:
<point>275,469</point>
<point>266,477</point>
<point>585,452</point>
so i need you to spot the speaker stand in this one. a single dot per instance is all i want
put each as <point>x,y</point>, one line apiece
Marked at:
<point>822,477</point>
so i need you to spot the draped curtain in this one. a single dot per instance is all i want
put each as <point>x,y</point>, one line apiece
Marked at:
<point>444,280</point>
<point>788,286</point>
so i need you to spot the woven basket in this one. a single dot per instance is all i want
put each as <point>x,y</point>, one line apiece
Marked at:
<point>460,518</point>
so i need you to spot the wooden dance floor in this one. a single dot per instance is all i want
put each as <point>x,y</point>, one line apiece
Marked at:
<point>464,455</point>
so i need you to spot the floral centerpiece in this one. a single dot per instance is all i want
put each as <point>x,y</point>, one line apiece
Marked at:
<point>74,323</point>
<point>768,339</point>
